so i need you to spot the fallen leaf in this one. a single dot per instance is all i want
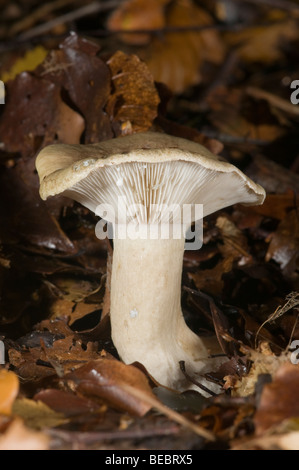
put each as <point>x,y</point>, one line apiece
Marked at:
<point>284,244</point>
<point>279,399</point>
<point>263,43</point>
<point>234,114</point>
<point>264,361</point>
<point>9,389</point>
<point>36,414</point>
<point>39,124</point>
<point>28,62</point>
<point>66,403</point>
<point>233,248</point>
<point>176,58</point>
<point>24,216</point>
<point>76,68</point>
<point>105,379</point>
<point>133,105</point>
<point>19,437</point>
<point>138,15</point>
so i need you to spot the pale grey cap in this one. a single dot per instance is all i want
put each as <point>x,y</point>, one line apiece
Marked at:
<point>147,168</point>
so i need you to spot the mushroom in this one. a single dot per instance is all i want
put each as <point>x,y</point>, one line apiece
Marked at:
<point>132,181</point>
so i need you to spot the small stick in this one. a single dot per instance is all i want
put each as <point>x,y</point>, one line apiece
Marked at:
<point>91,9</point>
<point>192,380</point>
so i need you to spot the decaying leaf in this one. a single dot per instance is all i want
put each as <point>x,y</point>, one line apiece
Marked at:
<point>279,399</point>
<point>284,243</point>
<point>28,62</point>
<point>25,116</point>
<point>261,43</point>
<point>176,59</point>
<point>233,114</point>
<point>66,403</point>
<point>133,104</point>
<point>36,414</point>
<point>76,68</point>
<point>138,15</point>
<point>264,361</point>
<point>104,379</point>
<point>234,249</point>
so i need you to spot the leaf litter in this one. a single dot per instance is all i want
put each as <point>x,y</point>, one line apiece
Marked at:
<point>63,385</point>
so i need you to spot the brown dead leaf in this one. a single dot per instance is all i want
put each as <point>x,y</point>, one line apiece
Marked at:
<point>263,43</point>
<point>35,114</point>
<point>66,403</point>
<point>24,216</point>
<point>133,105</point>
<point>104,379</point>
<point>76,68</point>
<point>284,244</point>
<point>279,399</point>
<point>19,437</point>
<point>9,389</point>
<point>176,58</point>
<point>36,414</point>
<point>232,114</point>
<point>233,248</point>
<point>138,15</point>
<point>275,206</point>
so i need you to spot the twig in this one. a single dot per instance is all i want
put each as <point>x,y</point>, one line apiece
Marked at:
<point>77,437</point>
<point>38,14</point>
<point>273,100</point>
<point>292,301</point>
<point>223,75</point>
<point>192,380</point>
<point>232,139</point>
<point>178,418</point>
<point>92,8</point>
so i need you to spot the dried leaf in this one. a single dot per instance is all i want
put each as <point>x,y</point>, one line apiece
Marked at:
<point>284,243</point>
<point>233,249</point>
<point>36,414</point>
<point>66,403</point>
<point>262,43</point>
<point>264,361</point>
<point>134,103</point>
<point>105,378</point>
<point>138,15</point>
<point>279,399</point>
<point>9,389</point>
<point>76,67</point>
<point>176,58</point>
<point>38,122</point>
<point>233,114</point>
<point>23,215</point>
<point>28,62</point>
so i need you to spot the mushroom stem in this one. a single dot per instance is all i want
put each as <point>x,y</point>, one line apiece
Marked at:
<point>146,318</point>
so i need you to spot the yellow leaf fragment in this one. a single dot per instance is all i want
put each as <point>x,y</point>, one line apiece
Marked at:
<point>29,62</point>
<point>9,388</point>
<point>36,414</point>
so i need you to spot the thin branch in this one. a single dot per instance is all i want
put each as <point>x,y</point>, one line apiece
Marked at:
<point>91,9</point>
<point>37,15</point>
<point>97,437</point>
<point>273,100</point>
<point>195,382</point>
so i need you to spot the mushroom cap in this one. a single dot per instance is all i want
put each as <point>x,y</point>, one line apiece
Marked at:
<point>177,171</point>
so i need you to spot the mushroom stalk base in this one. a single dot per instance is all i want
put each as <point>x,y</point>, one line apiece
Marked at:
<point>146,318</point>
